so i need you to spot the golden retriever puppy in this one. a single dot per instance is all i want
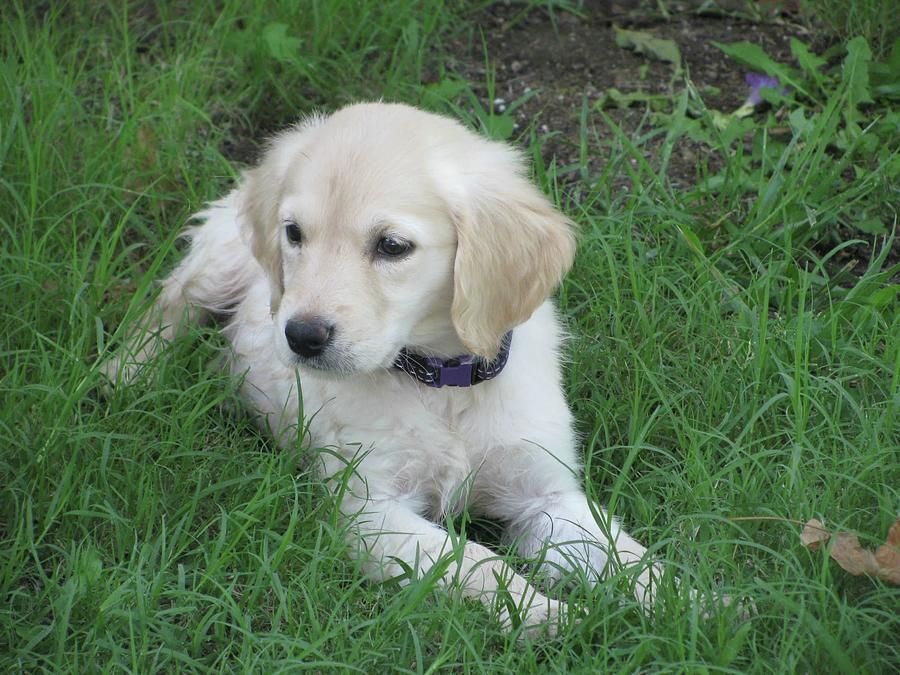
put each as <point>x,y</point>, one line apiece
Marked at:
<point>397,267</point>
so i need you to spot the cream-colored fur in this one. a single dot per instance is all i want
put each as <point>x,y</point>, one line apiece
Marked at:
<point>488,251</point>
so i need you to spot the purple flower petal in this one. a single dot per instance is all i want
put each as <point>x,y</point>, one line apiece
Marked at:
<point>757,82</point>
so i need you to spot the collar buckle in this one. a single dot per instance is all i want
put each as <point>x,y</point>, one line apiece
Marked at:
<point>457,372</point>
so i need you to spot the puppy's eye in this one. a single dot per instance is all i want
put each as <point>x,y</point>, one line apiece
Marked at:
<point>294,233</point>
<point>391,246</point>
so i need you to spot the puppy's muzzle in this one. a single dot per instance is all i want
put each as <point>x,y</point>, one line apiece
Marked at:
<point>308,337</point>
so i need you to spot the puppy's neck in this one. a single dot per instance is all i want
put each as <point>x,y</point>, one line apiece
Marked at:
<point>442,349</point>
<point>437,337</point>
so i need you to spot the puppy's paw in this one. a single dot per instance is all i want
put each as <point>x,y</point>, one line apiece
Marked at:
<point>542,617</point>
<point>118,371</point>
<point>110,369</point>
<point>744,608</point>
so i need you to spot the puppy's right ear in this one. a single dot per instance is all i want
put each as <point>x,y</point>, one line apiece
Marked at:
<point>260,194</point>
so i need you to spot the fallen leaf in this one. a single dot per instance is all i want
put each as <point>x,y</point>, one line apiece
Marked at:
<point>888,554</point>
<point>814,533</point>
<point>893,536</point>
<point>644,43</point>
<point>847,552</point>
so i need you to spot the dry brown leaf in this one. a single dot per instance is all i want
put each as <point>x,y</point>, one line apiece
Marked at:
<point>893,538</point>
<point>846,551</point>
<point>888,554</point>
<point>814,533</point>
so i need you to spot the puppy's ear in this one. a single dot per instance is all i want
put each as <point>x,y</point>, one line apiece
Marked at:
<point>513,249</point>
<point>260,195</point>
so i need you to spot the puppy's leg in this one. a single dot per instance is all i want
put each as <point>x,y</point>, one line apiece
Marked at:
<point>212,277</point>
<point>575,535</point>
<point>538,495</point>
<point>393,538</point>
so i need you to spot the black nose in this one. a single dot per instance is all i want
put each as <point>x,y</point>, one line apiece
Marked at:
<point>308,337</point>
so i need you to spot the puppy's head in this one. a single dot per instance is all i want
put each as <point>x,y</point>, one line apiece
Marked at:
<point>382,227</point>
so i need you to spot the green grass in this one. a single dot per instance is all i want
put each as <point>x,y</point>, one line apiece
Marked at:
<point>876,20</point>
<point>723,364</point>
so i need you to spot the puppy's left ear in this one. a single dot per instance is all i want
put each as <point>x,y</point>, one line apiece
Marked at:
<point>513,249</point>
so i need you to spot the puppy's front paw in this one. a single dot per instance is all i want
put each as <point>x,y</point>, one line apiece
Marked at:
<point>110,369</point>
<point>539,617</point>
<point>745,608</point>
<point>118,371</point>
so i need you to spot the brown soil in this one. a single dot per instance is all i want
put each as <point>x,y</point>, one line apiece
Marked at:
<point>572,60</point>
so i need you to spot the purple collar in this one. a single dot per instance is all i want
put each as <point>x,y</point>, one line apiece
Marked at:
<point>460,371</point>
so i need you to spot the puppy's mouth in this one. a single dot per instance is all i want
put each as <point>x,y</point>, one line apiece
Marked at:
<point>336,365</point>
<point>327,366</point>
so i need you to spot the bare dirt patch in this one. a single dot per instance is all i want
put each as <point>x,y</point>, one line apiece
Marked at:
<point>571,61</point>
